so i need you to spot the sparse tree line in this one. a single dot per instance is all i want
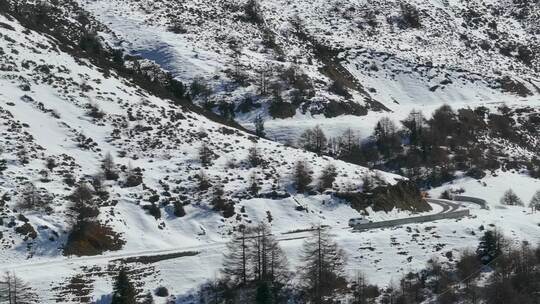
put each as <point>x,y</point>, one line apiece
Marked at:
<point>373,190</point>
<point>255,270</point>
<point>32,198</point>
<point>284,87</point>
<point>495,273</point>
<point>510,198</point>
<point>301,177</point>
<point>430,151</point>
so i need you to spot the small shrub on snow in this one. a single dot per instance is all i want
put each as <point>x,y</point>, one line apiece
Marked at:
<point>254,156</point>
<point>254,187</point>
<point>153,210</point>
<point>133,177</point>
<point>32,198</point>
<point>218,199</point>
<point>3,165</point>
<point>51,164</point>
<point>259,126</point>
<point>328,176</point>
<point>510,198</point>
<point>69,179</point>
<point>446,194</point>
<point>281,109</point>
<point>82,198</point>
<point>476,173</point>
<point>302,176</point>
<point>205,155</point>
<point>204,181</point>
<point>94,111</point>
<point>535,201</point>
<point>162,291</point>
<point>91,238</point>
<point>109,167</point>
<point>179,210</point>
<point>82,194</point>
<point>411,15</point>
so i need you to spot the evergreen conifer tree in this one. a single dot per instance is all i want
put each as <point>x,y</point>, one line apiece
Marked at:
<point>123,290</point>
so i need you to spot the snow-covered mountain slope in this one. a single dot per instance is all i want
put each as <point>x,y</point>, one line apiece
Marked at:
<point>60,117</point>
<point>384,255</point>
<point>382,54</point>
<point>62,108</point>
<point>55,106</point>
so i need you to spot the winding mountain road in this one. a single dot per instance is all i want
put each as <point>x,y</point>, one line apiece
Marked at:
<point>447,205</point>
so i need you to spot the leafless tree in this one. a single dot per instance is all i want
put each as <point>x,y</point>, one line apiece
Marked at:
<point>349,141</point>
<point>269,261</point>
<point>535,202</point>
<point>302,176</point>
<point>13,290</point>
<point>254,187</point>
<point>322,272</point>
<point>109,168</point>
<point>328,176</point>
<point>510,198</point>
<point>313,140</point>
<point>254,156</point>
<point>205,155</point>
<point>255,256</point>
<point>235,263</point>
